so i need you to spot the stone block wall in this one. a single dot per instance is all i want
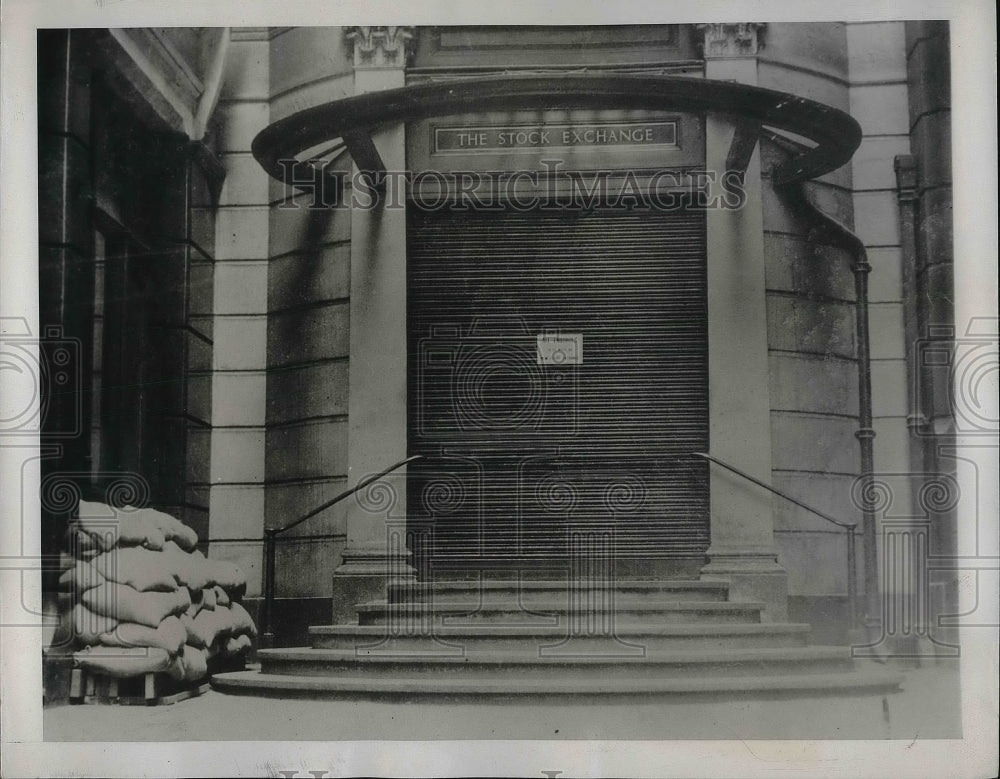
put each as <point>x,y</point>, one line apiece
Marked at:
<point>282,304</point>
<point>811,341</point>
<point>931,317</point>
<point>281,318</point>
<point>308,326</point>
<point>878,101</point>
<point>240,314</point>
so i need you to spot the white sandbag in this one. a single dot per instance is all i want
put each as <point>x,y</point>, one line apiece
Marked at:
<point>137,567</point>
<point>96,527</point>
<point>188,622</point>
<point>185,537</point>
<point>89,554</point>
<point>176,668</point>
<point>87,626</point>
<point>234,645</point>
<point>171,527</point>
<point>242,621</point>
<point>188,568</point>
<point>226,574</point>
<point>225,621</point>
<point>169,635</point>
<point>204,629</point>
<point>192,610</point>
<point>83,576</point>
<point>126,604</point>
<point>208,598</point>
<point>122,662</point>
<point>221,597</point>
<point>90,511</point>
<point>110,527</point>
<point>88,543</point>
<point>195,662</point>
<point>138,530</point>
<point>199,572</point>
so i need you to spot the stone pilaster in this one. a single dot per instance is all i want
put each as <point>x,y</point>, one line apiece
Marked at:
<point>742,550</point>
<point>377,421</point>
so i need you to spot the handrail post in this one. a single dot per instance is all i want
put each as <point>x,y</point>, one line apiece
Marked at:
<point>852,577</point>
<point>267,629</point>
<point>852,561</point>
<point>270,542</point>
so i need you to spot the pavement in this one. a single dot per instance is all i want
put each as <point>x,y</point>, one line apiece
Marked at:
<point>928,707</point>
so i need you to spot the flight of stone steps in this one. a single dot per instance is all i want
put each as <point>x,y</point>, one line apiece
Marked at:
<point>510,638</point>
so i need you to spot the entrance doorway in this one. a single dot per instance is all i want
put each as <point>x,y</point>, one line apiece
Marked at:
<point>558,381</point>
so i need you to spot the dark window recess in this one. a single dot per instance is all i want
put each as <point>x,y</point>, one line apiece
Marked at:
<point>124,297</point>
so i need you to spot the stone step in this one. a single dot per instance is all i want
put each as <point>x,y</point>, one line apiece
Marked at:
<point>485,637</point>
<point>527,590</point>
<point>553,611</point>
<point>792,685</point>
<point>621,662</point>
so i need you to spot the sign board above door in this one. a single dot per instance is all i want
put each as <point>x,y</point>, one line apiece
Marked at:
<point>554,136</point>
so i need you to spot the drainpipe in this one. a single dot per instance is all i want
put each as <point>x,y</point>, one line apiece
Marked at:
<point>209,98</point>
<point>905,166</point>
<point>841,236</point>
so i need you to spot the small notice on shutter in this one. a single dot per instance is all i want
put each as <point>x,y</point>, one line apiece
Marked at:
<point>560,349</point>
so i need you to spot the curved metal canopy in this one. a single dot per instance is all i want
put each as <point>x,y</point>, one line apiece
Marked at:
<point>836,134</point>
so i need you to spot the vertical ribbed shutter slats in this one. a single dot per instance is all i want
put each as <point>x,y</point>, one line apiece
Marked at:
<point>520,456</point>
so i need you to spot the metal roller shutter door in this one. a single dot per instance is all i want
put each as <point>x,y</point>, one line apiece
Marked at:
<point>521,456</point>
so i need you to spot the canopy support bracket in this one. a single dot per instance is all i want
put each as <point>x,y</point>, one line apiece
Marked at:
<point>741,149</point>
<point>362,149</point>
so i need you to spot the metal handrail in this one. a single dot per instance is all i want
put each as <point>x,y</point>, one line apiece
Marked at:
<point>271,535</point>
<point>852,566</point>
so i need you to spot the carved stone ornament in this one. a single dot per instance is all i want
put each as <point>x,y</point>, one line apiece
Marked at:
<point>732,40</point>
<point>381,47</point>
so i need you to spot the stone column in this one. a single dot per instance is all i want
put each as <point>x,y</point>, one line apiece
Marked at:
<point>377,428</point>
<point>742,550</point>
<point>240,237</point>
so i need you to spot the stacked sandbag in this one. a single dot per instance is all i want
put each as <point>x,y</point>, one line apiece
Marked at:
<point>139,597</point>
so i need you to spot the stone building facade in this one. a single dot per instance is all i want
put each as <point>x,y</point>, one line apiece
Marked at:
<point>251,356</point>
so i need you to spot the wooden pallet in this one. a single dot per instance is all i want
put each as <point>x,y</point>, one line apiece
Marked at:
<point>151,689</point>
